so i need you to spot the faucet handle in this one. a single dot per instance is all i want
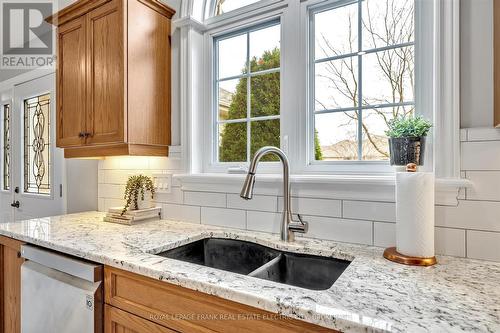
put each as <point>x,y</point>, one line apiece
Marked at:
<point>299,226</point>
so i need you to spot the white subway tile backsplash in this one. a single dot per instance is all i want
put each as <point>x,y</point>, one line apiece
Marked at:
<point>164,163</point>
<point>175,196</point>
<point>368,210</point>
<point>264,221</point>
<point>110,191</point>
<point>182,213</point>
<point>342,230</point>
<point>317,207</point>
<point>479,215</point>
<point>100,177</point>
<point>484,155</point>
<point>121,176</point>
<point>450,242</point>
<point>486,185</point>
<point>205,199</point>
<point>472,229</point>
<point>258,202</point>
<point>108,203</point>
<point>384,234</point>
<point>125,163</point>
<point>100,204</point>
<point>231,218</point>
<point>483,245</point>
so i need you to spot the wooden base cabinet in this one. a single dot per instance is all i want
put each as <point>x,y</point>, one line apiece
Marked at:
<point>118,321</point>
<point>113,78</point>
<point>10,285</point>
<point>144,305</point>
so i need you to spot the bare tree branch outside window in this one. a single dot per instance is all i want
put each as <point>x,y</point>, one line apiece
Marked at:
<point>364,76</point>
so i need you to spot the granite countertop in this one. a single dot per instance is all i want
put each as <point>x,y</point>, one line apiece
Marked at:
<point>373,294</point>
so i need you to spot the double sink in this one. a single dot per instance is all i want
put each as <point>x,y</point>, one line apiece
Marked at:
<point>300,270</point>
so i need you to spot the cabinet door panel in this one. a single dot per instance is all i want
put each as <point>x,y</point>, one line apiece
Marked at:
<point>71,83</point>
<point>10,288</point>
<point>105,115</point>
<point>118,321</point>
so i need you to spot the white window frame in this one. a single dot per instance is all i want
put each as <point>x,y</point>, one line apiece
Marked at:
<point>215,94</point>
<point>296,125</point>
<point>196,74</point>
<point>423,102</point>
<point>313,10</point>
<point>210,109</point>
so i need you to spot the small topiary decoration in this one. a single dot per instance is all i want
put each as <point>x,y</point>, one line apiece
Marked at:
<point>137,185</point>
<point>408,127</point>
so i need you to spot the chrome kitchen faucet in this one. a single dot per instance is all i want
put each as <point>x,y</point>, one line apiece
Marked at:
<point>288,224</point>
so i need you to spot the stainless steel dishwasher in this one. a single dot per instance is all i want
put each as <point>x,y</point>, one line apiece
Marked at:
<point>59,294</point>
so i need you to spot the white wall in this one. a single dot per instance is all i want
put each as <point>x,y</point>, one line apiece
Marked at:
<point>476,86</point>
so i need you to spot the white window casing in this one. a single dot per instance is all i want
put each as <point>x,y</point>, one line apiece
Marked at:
<point>438,99</point>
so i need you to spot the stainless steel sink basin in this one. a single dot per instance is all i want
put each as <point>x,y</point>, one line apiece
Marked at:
<point>301,270</point>
<point>305,271</point>
<point>226,254</point>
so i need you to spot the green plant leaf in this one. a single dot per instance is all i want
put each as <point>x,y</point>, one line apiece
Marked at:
<point>404,127</point>
<point>137,186</point>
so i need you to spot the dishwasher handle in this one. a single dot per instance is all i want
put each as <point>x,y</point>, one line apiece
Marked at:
<point>76,267</point>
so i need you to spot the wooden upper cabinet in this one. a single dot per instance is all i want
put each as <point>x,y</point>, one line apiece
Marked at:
<point>116,100</point>
<point>105,116</point>
<point>70,75</point>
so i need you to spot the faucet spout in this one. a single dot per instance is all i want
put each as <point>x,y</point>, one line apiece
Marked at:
<point>288,225</point>
<point>247,190</point>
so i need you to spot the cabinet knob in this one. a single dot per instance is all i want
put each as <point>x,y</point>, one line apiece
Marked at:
<point>81,135</point>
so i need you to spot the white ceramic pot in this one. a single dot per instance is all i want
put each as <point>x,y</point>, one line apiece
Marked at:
<point>146,203</point>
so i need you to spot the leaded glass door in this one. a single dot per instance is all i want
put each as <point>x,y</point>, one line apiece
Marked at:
<point>36,164</point>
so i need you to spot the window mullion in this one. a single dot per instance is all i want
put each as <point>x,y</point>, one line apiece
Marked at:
<point>249,102</point>
<point>253,74</point>
<point>365,51</point>
<point>360,82</point>
<point>365,107</point>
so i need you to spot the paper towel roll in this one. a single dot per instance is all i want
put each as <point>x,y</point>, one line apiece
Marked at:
<point>415,214</point>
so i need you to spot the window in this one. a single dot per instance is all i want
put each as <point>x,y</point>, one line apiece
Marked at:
<point>346,69</point>
<point>247,92</point>
<point>6,147</point>
<point>362,76</point>
<point>37,159</point>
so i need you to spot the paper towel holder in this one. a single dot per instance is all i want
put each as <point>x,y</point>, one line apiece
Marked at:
<point>393,255</point>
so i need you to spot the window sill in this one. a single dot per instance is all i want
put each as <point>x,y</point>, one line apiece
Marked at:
<point>350,187</point>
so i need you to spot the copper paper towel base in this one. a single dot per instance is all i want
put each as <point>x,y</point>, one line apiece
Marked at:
<point>393,255</point>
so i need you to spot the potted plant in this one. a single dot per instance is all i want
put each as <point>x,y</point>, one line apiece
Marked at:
<point>407,139</point>
<point>138,193</point>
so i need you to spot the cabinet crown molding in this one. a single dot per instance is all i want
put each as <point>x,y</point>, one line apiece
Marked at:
<point>82,7</point>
